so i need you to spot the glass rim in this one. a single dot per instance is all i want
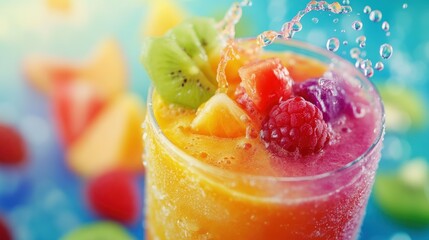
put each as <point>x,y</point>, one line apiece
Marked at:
<point>195,162</point>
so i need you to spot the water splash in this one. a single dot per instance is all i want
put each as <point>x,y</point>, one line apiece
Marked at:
<point>386,51</point>
<point>290,28</point>
<point>375,16</point>
<point>333,44</point>
<point>357,25</point>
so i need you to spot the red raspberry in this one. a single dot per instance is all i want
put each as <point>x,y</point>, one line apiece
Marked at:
<point>295,125</point>
<point>114,195</point>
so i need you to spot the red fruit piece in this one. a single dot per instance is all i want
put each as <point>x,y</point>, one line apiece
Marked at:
<point>5,233</point>
<point>264,82</point>
<point>114,195</point>
<point>295,125</point>
<point>13,149</point>
<point>75,105</point>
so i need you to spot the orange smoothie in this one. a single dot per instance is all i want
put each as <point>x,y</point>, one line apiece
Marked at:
<point>201,185</point>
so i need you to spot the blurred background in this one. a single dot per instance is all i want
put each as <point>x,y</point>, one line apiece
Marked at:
<point>55,138</point>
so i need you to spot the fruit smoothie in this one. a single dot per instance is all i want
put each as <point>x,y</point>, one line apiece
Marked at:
<point>280,142</point>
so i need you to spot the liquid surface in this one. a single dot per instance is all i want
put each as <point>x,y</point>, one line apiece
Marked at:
<point>351,137</point>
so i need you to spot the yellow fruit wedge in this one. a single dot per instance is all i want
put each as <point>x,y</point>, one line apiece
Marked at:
<point>113,140</point>
<point>220,116</point>
<point>162,16</point>
<point>107,69</point>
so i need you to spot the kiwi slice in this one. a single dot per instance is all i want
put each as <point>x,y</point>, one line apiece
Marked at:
<point>187,39</point>
<point>174,74</point>
<point>208,34</point>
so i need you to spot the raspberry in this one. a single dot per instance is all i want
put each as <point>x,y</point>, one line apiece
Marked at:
<point>114,195</point>
<point>295,125</point>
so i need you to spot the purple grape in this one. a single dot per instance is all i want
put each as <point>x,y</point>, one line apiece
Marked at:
<point>326,93</point>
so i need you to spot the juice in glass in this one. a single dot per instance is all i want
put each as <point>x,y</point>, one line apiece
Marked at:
<point>205,186</point>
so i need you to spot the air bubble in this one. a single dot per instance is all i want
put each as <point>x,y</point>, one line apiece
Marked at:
<point>357,25</point>
<point>367,9</point>
<point>346,2</point>
<point>345,43</point>
<point>405,6</point>
<point>361,41</point>
<point>369,72</point>
<point>379,66</point>
<point>385,26</point>
<point>386,51</point>
<point>335,20</point>
<point>333,44</point>
<point>358,62</point>
<point>366,64</point>
<point>354,53</point>
<point>375,16</point>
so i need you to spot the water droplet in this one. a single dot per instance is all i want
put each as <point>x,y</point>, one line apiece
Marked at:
<point>315,20</point>
<point>405,6</point>
<point>379,66</point>
<point>367,9</point>
<point>375,16</point>
<point>333,44</point>
<point>346,2</point>
<point>366,64</point>
<point>346,9</point>
<point>343,30</point>
<point>386,51</point>
<point>369,72</point>
<point>246,3</point>
<point>345,43</point>
<point>361,41</point>
<point>388,34</point>
<point>385,26</point>
<point>354,53</point>
<point>358,62</point>
<point>335,20</point>
<point>357,25</point>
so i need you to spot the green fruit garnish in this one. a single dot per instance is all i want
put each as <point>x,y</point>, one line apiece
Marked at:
<point>179,63</point>
<point>99,231</point>
<point>206,30</point>
<point>405,195</point>
<point>174,74</point>
<point>187,39</point>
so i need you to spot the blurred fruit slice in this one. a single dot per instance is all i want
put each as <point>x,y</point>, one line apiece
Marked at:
<point>405,195</point>
<point>75,105</point>
<point>220,116</point>
<point>404,108</point>
<point>13,150</point>
<point>106,71</point>
<point>44,72</point>
<point>113,140</point>
<point>5,233</point>
<point>99,230</point>
<point>114,195</point>
<point>162,16</point>
<point>62,6</point>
